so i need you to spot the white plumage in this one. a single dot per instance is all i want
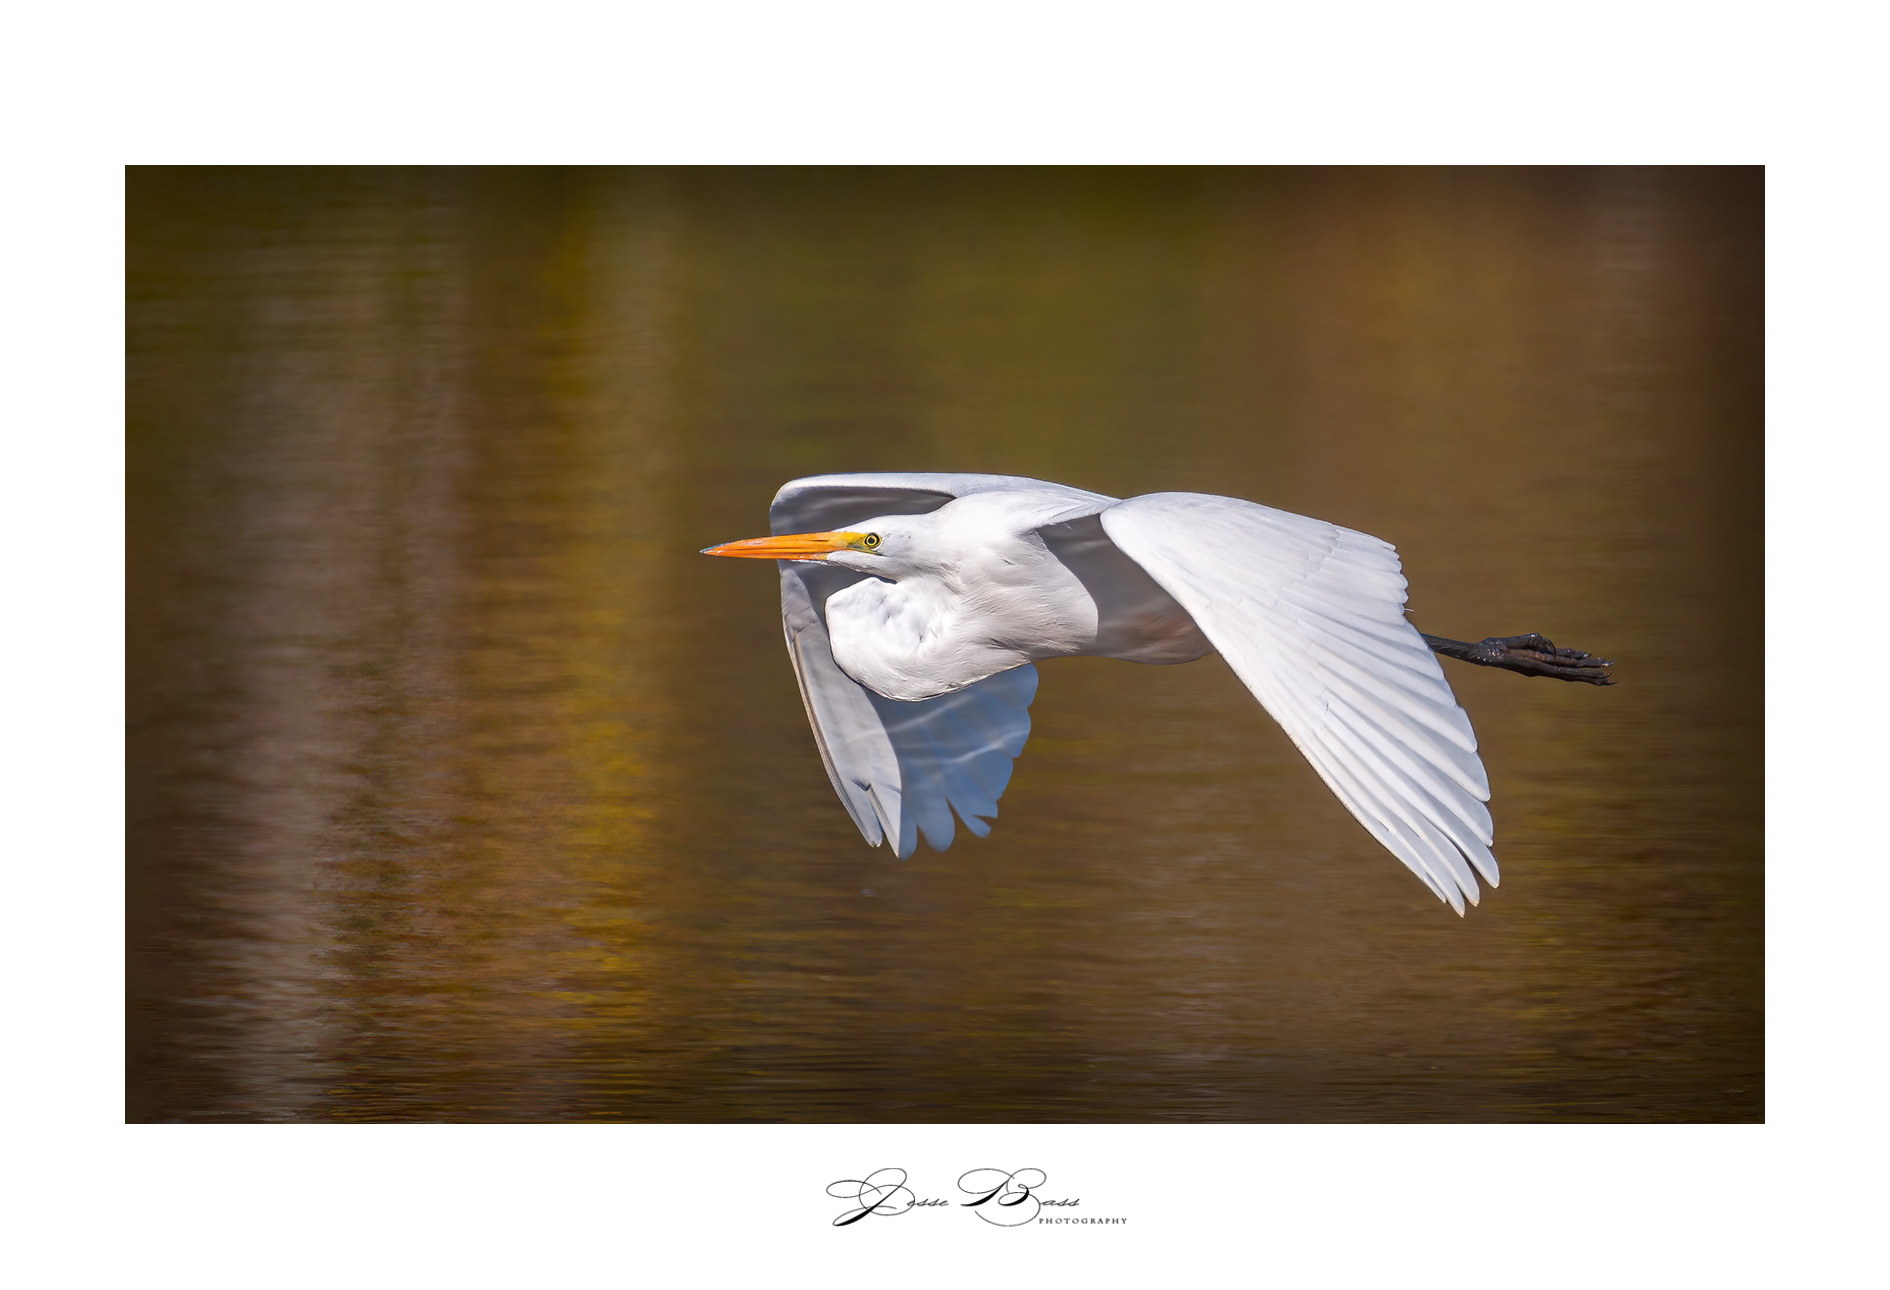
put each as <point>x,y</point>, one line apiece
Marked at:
<point>915,605</point>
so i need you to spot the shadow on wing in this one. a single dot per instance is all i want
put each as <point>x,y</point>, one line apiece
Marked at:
<point>955,752</point>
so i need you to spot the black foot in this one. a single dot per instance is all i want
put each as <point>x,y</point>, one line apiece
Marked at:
<point>1532,655</point>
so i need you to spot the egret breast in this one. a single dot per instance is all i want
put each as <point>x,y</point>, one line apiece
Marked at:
<point>901,642</point>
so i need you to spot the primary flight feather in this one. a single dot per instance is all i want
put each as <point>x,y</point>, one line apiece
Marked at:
<point>914,606</point>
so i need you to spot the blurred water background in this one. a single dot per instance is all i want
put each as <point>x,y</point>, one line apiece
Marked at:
<point>462,788</point>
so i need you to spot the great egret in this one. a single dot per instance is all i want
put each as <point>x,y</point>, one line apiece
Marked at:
<point>916,604</point>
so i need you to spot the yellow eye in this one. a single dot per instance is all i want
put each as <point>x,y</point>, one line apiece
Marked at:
<point>870,541</point>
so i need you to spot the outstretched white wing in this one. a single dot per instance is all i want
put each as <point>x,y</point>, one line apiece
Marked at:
<point>900,768</point>
<point>1311,617</point>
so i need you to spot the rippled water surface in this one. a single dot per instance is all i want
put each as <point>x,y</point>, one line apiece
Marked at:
<point>463,789</point>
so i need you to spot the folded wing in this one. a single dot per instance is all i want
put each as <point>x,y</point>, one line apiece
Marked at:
<point>1310,616</point>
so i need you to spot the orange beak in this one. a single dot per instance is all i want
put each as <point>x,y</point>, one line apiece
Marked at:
<point>791,546</point>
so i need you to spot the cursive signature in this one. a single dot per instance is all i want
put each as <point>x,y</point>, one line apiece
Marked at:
<point>882,1192</point>
<point>1007,1195</point>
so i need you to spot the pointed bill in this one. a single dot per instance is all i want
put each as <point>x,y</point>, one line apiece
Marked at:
<point>792,546</point>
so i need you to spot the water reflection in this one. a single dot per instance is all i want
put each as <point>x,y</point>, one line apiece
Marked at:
<point>462,789</point>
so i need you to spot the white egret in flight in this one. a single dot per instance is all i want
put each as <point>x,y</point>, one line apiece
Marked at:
<point>916,604</point>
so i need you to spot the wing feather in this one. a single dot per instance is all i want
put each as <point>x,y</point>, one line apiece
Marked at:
<point>1365,807</point>
<point>1311,618</point>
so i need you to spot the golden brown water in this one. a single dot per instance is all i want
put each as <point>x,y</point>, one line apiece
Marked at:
<point>463,789</point>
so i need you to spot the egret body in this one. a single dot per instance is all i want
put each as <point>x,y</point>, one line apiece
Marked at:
<point>915,606</point>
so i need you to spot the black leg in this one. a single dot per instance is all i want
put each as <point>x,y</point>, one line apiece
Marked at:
<point>1532,655</point>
